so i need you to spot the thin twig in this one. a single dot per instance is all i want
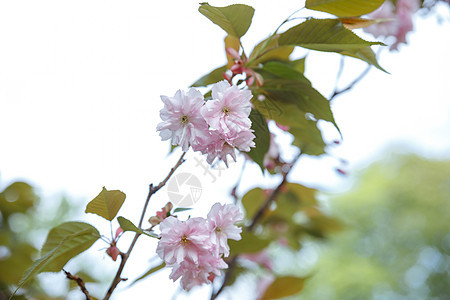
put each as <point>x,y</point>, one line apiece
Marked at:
<point>352,84</point>
<point>125,256</point>
<point>80,283</point>
<point>272,196</point>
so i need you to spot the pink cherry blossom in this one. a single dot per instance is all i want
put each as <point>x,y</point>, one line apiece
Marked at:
<point>229,109</point>
<point>182,120</point>
<point>221,222</point>
<point>399,20</point>
<point>194,248</point>
<point>216,146</point>
<point>183,240</point>
<point>194,274</point>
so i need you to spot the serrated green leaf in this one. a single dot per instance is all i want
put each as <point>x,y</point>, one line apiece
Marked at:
<point>283,287</point>
<point>150,272</point>
<point>234,19</point>
<point>180,209</point>
<point>106,204</point>
<point>306,134</point>
<point>309,139</point>
<point>35,269</point>
<point>285,70</point>
<point>344,8</point>
<point>327,35</point>
<point>262,140</point>
<point>301,94</point>
<point>72,238</point>
<point>127,225</point>
<point>250,243</point>
<point>269,50</point>
<point>214,76</point>
<point>63,243</point>
<point>252,202</point>
<point>367,55</point>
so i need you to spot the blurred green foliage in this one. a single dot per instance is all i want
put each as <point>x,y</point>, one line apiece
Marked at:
<point>397,241</point>
<point>24,222</point>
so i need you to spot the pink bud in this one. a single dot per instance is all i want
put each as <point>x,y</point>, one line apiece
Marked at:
<point>227,77</point>
<point>154,220</point>
<point>118,231</point>
<point>233,53</point>
<point>113,252</point>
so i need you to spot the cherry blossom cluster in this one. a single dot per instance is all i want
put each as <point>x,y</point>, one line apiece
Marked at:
<point>195,248</point>
<point>214,127</point>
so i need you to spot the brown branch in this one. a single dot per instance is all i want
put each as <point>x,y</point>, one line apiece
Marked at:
<point>272,197</point>
<point>352,84</point>
<point>125,256</point>
<point>80,283</point>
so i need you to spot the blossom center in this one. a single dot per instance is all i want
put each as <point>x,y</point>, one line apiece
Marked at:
<point>184,119</point>
<point>218,229</point>
<point>184,241</point>
<point>226,110</point>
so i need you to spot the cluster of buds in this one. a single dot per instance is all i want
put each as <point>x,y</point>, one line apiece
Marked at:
<point>239,67</point>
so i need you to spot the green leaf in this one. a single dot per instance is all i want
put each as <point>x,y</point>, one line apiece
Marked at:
<point>250,243</point>
<point>35,269</point>
<point>306,134</point>
<point>234,19</point>
<point>210,78</point>
<point>71,238</point>
<point>367,55</point>
<point>283,287</point>
<point>301,94</point>
<point>63,243</point>
<point>252,201</point>
<point>262,140</point>
<point>150,272</point>
<point>127,225</point>
<point>344,8</point>
<point>309,139</point>
<point>180,209</point>
<point>327,35</point>
<point>17,197</point>
<point>285,70</point>
<point>106,204</point>
<point>268,50</point>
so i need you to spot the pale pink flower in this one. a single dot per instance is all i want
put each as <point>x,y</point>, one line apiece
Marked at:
<point>182,120</point>
<point>243,140</point>
<point>400,24</point>
<point>215,146</point>
<point>194,274</point>
<point>221,222</point>
<point>183,240</point>
<point>229,109</point>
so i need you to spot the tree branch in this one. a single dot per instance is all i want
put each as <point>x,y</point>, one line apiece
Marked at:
<point>352,84</point>
<point>125,256</point>
<point>80,283</point>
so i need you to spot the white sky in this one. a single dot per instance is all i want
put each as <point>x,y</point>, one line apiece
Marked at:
<point>79,101</point>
